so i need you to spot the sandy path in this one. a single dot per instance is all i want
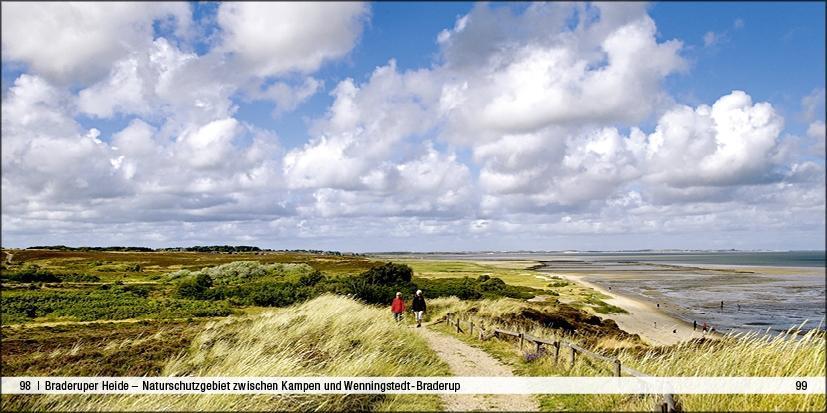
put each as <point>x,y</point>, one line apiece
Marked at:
<point>465,360</point>
<point>644,318</point>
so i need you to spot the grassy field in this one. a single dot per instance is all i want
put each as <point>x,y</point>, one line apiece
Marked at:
<point>787,355</point>
<point>197,313</point>
<point>121,266</point>
<point>329,335</point>
<point>516,273</point>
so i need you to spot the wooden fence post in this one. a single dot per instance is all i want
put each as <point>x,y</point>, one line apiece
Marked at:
<point>571,360</point>
<point>539,345</point>
<point>521,341</point>
<point>669,405</point>
<point>471,328</point>
<point>617,367</point>
<point>556,351</point>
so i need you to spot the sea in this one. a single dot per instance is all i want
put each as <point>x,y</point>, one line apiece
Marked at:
<point>761,291</point>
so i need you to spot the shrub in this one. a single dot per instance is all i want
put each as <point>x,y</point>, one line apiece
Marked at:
<point>194,287</point>
<point>30,273</point>
<point>134,268</point>
<point>388,274</point>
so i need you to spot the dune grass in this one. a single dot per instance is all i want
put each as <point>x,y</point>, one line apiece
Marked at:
<point>327,336</point>
<point>787,354</point>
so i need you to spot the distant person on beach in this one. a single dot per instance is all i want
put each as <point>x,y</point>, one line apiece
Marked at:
<point>739,307</point>
<point>398,307</point>
<point>722,306</point>
<point>704,327</point>
<point>418,307</point>
<point>694,325</point>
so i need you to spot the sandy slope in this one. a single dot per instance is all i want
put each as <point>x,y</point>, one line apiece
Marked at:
<point>644,318</point>
<point>465,360</point>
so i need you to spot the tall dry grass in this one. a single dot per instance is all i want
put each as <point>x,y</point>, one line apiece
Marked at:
<point>327,336</point>
<point>787,354</point>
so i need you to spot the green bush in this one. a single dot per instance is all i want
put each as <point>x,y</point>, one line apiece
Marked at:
<point>30,273</point>
<point>195,287</point>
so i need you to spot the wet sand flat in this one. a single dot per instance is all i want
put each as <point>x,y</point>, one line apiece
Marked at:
<point>755,297</point>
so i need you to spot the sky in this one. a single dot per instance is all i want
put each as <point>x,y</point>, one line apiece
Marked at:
<point>414,126</point>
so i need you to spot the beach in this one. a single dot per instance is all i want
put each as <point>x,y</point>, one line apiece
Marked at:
<point>644,318</point>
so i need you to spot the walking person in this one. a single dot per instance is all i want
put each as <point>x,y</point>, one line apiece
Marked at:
<point>722,305</point>
<point>398,307</point>
<point>694,325</point>
<point>418,307</point>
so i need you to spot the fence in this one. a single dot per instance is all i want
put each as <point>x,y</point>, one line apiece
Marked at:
<point>666,405</point>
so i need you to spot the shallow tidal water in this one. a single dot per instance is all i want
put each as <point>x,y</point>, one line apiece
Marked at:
<point>775,290</point>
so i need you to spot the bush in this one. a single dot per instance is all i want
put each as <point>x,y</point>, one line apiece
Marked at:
<point>241,272</point>
<point>29,274</point>
<point>388,274</point>
<point>195,287</point>
<point>134,268</point>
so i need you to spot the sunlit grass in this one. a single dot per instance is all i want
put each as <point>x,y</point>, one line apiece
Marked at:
<point>327,336</point>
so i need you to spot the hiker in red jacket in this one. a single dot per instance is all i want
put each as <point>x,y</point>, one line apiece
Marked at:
<point>398,307</point>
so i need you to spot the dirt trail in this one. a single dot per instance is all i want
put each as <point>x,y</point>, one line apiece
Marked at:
<point>465,360</point>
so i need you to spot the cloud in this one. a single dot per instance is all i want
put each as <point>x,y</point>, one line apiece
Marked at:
<point>47,156</point>
<point>546,125</point>
<point>359,134</point>
<point>812,105</point>
<point>607,69</point>
<point>710,39</point>
<point>287,97</point>
<point>816,130</point>
<point>80,41</point>
<point>365,159</point>
<point>276,38</point>
<point>731,142</point>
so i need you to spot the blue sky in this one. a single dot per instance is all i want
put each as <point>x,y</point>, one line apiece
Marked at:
<point>451,126</point>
